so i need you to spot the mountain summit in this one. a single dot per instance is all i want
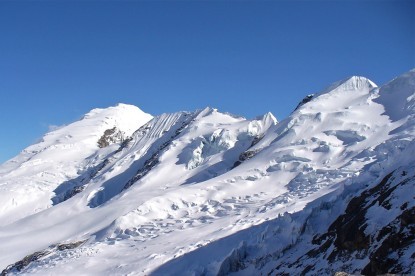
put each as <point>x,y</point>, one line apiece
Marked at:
<point>328,189</point>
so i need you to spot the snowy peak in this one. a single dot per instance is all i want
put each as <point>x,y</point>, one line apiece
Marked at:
<point>357,82</point>
<point>125,117</point>
<point>340,96</point>
<point>398,96</point>
<point>352,83</point>
<point>86,132</point>
<point>63,155</point>
<point>209,111</point>
<point>269,118</point>
<point>206,111</point>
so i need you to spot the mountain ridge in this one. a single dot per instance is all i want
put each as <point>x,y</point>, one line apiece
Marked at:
<point>212,193</point>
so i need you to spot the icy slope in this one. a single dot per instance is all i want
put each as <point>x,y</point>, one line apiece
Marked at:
<point>207,192</point>
<point>27,181</point>
<point>364,225</point>
<point>369,232</point>
<point>159,145</point>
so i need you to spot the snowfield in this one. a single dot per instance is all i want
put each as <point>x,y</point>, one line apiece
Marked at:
<point>209,193</point>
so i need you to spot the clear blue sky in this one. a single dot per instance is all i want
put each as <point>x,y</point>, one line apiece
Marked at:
<point>58,60</point>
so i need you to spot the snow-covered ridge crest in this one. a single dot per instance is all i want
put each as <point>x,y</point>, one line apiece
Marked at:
<point>127,117</point>
<point>338,96</point>
<point>357,82</point>
<point>350,84</point>
<point>398,96</point>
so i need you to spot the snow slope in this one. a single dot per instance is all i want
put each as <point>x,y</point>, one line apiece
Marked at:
<point>373,235</point>
<point>206,192</point>
<point>27,181</point>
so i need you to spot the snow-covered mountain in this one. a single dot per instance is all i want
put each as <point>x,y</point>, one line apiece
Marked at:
<point>30,180</point>
<point>328,189</point>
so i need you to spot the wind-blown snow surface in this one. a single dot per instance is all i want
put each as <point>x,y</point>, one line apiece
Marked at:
<point>209,193</point>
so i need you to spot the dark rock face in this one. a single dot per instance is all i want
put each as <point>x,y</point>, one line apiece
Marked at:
<point>248,154</point>
<point>348,230</point>
<point>20,265</point>
<point>244,156</point>
<point>347,240</point>
<point>110,136</point>
<point>305,100</point>
<point>367,233</point>
<point>399,236</point>
<point>65,246</point>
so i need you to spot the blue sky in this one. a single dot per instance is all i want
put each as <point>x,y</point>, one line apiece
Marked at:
<point>60,59</point>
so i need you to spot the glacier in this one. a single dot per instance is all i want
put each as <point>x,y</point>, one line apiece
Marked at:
<point>328,189</point>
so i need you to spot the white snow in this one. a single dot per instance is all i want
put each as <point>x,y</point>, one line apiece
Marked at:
<point>28,180</point>
<point>191,181</point>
